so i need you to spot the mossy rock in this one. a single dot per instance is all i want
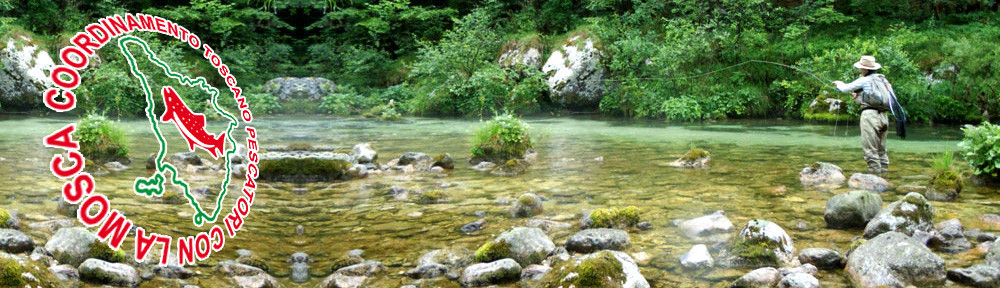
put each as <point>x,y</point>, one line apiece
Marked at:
<point>432,197</point>
<point>504,138</point>
<point>945,186</point>
<point>304,169</point>
<point>695,154</point>
<point>527,205</point>
<point>753,252</point>
<point>8,221</point>
<point>100,250</point>
<point>10,273</point>
<point>597,270</point>
<point>492,251</point>
<point>623,218</point>
<point>443,161</point>
<point>102,140</point>
<point>254,261</point>
<point>344,262</point>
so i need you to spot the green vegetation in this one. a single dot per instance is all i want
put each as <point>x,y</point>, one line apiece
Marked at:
<point>344,262</point>
<point>981,147</point>
<point>600,269</point>
<point>386,112</point>
<point>4,218</point>
<point>10,273</point>
<point>695,154</point>
<point>492,251</point>
<point>291,169</point>
<point>754,252</point>
<point>504,138</point>
<point>627,217</point>
<point>100,250</point>
<point>101,139</point>
<point>432,197</point>
<point>943,162</point>
<point>254,261</point>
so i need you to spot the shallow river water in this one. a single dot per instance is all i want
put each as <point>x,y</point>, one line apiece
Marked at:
<point>753,174</point>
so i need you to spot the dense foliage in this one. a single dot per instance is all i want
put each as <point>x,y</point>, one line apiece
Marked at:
<point>680,60</point>
<point>981,147</point>
<point>503,138</point>
<point>101,139</point>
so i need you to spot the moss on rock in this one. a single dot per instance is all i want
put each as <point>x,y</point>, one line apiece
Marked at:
<point>305,169</point>
<point>432,197</point>
<point>101,139</point>
<point>254,261</point>
<point>492,251</point>
<point>344,262</point>
<point>598,270</point>
<point>695,154</point>
<point>504,138</point>
<point>4,218</point>
<point>754,252</point>
<point>10,273</point>
<point>100,250</point>
<point>627,217</point>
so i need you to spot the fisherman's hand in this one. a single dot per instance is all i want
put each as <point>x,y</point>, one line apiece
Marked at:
<point>854,95</point>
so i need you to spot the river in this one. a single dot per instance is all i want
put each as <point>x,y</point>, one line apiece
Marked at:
<point>584,163</point>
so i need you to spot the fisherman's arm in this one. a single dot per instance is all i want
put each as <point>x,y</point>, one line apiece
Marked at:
<point>849,87</point>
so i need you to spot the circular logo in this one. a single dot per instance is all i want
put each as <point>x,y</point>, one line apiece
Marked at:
<point>168,114</point>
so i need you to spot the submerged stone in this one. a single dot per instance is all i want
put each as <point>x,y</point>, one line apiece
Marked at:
<point>527,205</point>
<point>979,276</point>
<point>697,258</point>
<point>852,209</point>
<point>715,223</point>
<point>868,182</point>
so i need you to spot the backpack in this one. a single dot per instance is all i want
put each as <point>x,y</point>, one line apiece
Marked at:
<point>881,95</point>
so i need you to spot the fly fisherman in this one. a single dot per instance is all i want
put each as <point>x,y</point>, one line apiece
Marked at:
<point>875,96</point>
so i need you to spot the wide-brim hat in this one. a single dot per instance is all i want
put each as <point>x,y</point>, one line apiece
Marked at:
<point>867,62</point>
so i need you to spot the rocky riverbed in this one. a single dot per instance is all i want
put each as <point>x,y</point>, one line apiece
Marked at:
<point>758,203</point>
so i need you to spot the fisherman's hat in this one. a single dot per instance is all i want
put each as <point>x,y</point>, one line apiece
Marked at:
<point>867,62</point>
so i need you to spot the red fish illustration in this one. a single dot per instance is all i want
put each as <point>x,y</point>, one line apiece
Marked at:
<point>191,125</point>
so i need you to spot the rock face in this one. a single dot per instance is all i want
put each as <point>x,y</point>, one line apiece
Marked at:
<point>912,213</point>
<point>71,245</point>
<point>312,89</point>
<point>697,258</point>
<point>759,243</point>
<point>707,225</point>
<point>496,272</point>
<point>822,173</point>
<point>979,276</point>
<point>893,259</point>
<point>760,278</point>
<point>852,209</point>
<point>868,182</point>
<point>14,241</point>
<point>527,245</point>
<point>599,269</point>
<point>591,240</point>
<point>575,75</point>
<point>99,271</point>
<point>23,74</point>
<point>822,258</point>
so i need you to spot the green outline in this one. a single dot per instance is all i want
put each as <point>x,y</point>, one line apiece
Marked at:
<point>153,186</point>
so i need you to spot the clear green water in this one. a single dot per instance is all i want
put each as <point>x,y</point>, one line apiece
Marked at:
<point>753,174</point>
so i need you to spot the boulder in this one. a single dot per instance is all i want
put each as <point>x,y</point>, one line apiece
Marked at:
<point>868,182</point>
<point>759,278</point>
<point>527,205</point>
<point>760,243</point>
<point>65,272</point>
<point>575,77</point>
<point>427,271</point>
<point>256,281</point>
<point>496,272</point>
<point>444,161</point>
<point>912,213</point>
<point>852,209</point>
<point>590,240</point>
<point>993,256</point>
<point>804,268</point>
<point>484,166</point>
<point>24,72</point>
<point>534,272</point>
<point>822,173</point>
<point>517,54</point>
<point>893,259</point>
<point>715,223</point>
<point>417,159</point>
<point>697,258</point>
<point>598,269</point>
<point>979,276</point>
<point>822,258</point>
<point>71,245</point>
<point>172,271</point>
<point>185,158</point>
<point>945,186</point>
<point>102,272</point>
<point>363,153</point>
<point>337,280</point>
<point>952,236</point>
<point>693,159</point>
<point>798,280</point>
<point>527,245</point>
<point>14,241</point>
<point>452,260</point>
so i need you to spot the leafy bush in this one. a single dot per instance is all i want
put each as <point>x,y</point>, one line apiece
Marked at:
<point>345,101</point>
<point>264,103</point>
<point>981,147</point>
<point>503,138</point>
<point>101,139</point>
<point>385,112</point>
<point>682,109</point>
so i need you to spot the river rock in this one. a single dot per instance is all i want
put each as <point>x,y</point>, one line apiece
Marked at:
<point>804,268</point>
<point>427,271</point>
<point>852,209</point>
<point>759,278</point>
<point>822,258</point>
<point>14,241</point>
<point>485,166</point>
<point>256,281</point>
<point>527,205</point>
<point>65,272</point>
<point>363,153</point>
<point>548,225</point>
<point>102,272</point>
<point>568,272</point>
<point>71,245</point>
<point>337,280</point>
<point>715,223</point>
<point>300,266</point>
<point>590,240</point>
<point>115,166</point>
<point>24,72</point>
<point>979,276</point>
<point>993,255</point>
<point>417,159</point>
<point>697,258</point>
<point>798,280</point>
<point>452,259</point>
<point>952,237</point>
<point>822,173</point>
<point>575,76</point>
<point>172,271</point>
<point>444,161</point>
<point>496,272</point>
<point>527,245</point>
<point>534,272</point>
<point>310,89</point>
<point>912,213</point>
<point>893,259</point>
<point>473,226</point>
<point>761,242</point>
<point>233,268</point>
<point>53,225</point>
<point>189,158</point>
<point>868,182</point>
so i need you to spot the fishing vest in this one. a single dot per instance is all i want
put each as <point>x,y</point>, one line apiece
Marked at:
<point>880,94</point>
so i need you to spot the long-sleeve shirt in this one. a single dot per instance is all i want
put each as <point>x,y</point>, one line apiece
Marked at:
<point>864,83</point>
